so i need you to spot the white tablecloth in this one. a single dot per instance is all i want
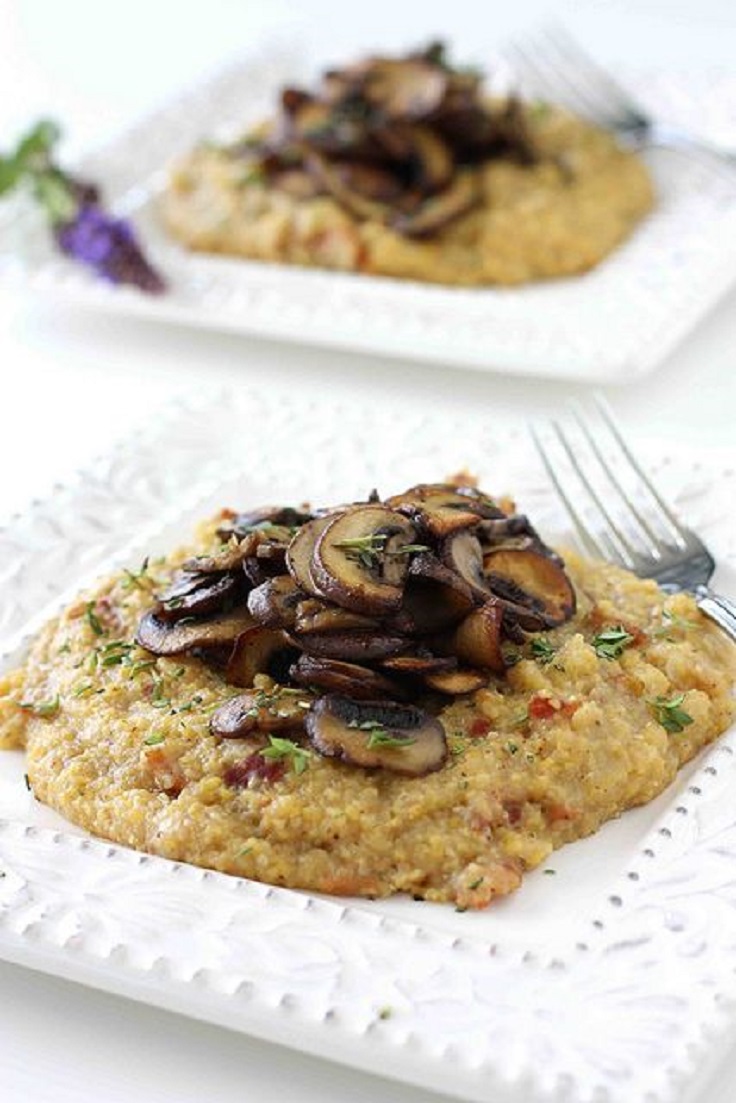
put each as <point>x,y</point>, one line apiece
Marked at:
<point>73,381</point>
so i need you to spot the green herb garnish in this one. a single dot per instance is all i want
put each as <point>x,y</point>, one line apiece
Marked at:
<point>673,621</point>
<point>93,620</point>
<point>611,642</point>
<point>369,549</point>
<point>379,737</point>
<point>46,709</point>
<point>669,714</point>
<point>154,739</point>
<point>137,580</point>
<point>287,749</point>
<point>542,650</point>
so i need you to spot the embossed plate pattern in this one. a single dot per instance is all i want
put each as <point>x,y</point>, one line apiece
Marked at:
<point>649,293</point>
<point>609,982</point>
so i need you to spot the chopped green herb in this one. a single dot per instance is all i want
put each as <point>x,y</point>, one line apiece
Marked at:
<point>385,1013</point>
<point>511,655</point>
<point>511,747</point>
<point>136,580</point>
<point>549,872</point>
<point>245,850</point>
<point>476,884</point>
<point>83,690</point>
<point>669,714</point>
<point>611,642</point>
<point>379,737</point>
<point>28,783</point>
<point>154,739</point>
<point>159,700</point>
<point>673,621</point>
<point>139,665</point>
<point>369,549</point>
<point>519,719</point>
<point>46,709</point>
<point>542,650</point>
<point>288,749</point>
<point>93,620</point>
<point>65,648</point>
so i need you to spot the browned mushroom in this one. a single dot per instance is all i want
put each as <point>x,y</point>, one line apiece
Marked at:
<point>274,603</point>
<point>537,575</point>
<point>249,713</point>
<point>228,559</point>
<point>172,638</point>
<point>356,202</point>
<point>259,650</point>
<point>362,558</point>
<point>477,639</point>
<point>313,615</point>
<point>437,507</point>
<point>242,524</point>
<point>462,194</point>
<point>349,679</point>
<point>455,683</point>
<point>300,553</point>
<point>194,594</point>
<point>404,88</point>
<point>419,664</point>
<point>430,158</point>
<point>353,647</point>
<point>375,734</point>
<point>435,597</point>
<point>462,553</point>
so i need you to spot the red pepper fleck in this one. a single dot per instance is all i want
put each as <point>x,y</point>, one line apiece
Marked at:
<point>570,707</point>
<point>479,727</point>
<point>254,768</point>
<point>541,708</point>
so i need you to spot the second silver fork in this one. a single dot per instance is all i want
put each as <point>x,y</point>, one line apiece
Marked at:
<point>620,516</point>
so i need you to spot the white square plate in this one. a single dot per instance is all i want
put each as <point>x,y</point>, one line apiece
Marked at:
<point>606,981</point>
<point>613,324</point>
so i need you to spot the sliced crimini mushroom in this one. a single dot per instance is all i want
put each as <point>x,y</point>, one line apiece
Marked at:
<point>439,508</point>
<point>357,203</point>
<point>537,575</point>
<point>462,553</point>
<point>297,184</point>
<point>194,594</point>
<point>375,734</point>
<point>431,160</point>
<point>300,553</point>
<point>435,597</point>
<point>274,603</point>
<point>362,558</point>
<point>477,639</point>
<point>313,615</point>
<point>267,556</point>
<point>254,520</point>
<point>419,664</point>
<point>349,679</point>
<point>259,650</point>
<point>172,638</point>
<point>404,88</point>
<point>353,647</point>
<point>372,182</point>
<point>455,683</point>
<point>228,559</point>
<point>461,195</point>
<point>249,713</point>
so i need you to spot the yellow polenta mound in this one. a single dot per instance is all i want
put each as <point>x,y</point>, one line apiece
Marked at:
<point>404,166</point>
<point>558,217</point>
<point>118,741</point>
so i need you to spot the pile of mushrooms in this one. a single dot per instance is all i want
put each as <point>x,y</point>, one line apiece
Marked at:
<point>390,139</point>
<point>366,607</point>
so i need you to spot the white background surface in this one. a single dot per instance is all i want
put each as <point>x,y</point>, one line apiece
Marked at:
<point>73,381</point>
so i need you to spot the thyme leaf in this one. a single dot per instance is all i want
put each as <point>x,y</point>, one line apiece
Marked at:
<point>669,714</point>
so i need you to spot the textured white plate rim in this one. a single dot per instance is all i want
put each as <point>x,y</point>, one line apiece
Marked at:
<point>424,322</point>
<point>343,1020</point>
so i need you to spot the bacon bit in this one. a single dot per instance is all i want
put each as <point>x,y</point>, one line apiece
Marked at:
<point>570,707</point>
<point>557,813</point>
<point>513,808</point>
<point>479,727</point>
<point>166,773</point>
<point>542,708</point>
<point>479,884</point>
<point>108,613</point>
<point>350,884</point>
<point>254,768</point>
<point>226,514</point>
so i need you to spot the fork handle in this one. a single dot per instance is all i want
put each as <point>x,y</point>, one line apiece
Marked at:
<point>720,609</point>
<point>671,137</point>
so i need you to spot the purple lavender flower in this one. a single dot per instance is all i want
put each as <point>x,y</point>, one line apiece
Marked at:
<point>108,246</point>
<point>81,227</point>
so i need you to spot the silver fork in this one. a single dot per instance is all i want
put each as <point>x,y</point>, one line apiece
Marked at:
<point>629,523</point>
<point>553,63</point>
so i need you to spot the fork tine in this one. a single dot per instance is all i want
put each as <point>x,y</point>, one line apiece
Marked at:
<point>528,67</point>
<point>569,48</point>
<point>678,532</point>
<point>591,95</point>
<point>586,537</point>
<point>623,550</point>
<point>644,525</point>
